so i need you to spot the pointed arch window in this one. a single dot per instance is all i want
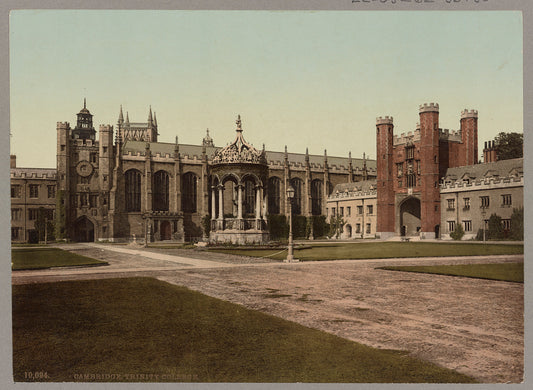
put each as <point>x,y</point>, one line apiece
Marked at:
<point>133,190</point>
<point>161,191</point>
<point>249,197</point>
<point>297,202</point>
<point>274,188</point>
<point>316,197</point>
<point>190,193</point>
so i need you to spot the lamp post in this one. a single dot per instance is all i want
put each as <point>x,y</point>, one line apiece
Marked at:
<point>483,213</point>
<point>290,196</point>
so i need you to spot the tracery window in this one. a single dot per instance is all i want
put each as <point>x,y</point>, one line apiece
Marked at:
<point>161,191</point>
<point>249,197</point>
<point>274,189</point>
<point>133,190</point>
<point>190,193</point>
<point>316,197</point>
<point>297,201</point>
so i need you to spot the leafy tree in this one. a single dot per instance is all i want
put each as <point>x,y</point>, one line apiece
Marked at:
<point>278,227</point>
<point>509,145</point>
<point>206,225</point>
<point>44,225</point>
<point>495,231</point>
<point>336,226</point>
<point>299,226</point>
<point>517,224</point>
<point>320,226</point>
<point>458,233</point>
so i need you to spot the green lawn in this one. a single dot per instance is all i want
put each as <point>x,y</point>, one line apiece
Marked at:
<point>117,327</point>
<point>48,257</point>
<point>509,272</point>
<point>378,250</point>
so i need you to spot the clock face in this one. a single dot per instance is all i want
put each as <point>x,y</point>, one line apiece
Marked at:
<point>84,168</point>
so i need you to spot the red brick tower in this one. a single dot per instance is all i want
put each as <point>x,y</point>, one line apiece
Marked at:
<point>469,136</point>
<point>429,160</point>
<point>385,190</point>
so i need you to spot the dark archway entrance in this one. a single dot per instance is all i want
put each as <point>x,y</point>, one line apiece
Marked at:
<point>84,230</point>
<point>166,232</point>
<point>410,217</point>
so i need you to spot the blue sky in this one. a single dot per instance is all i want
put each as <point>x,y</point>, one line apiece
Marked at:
<point>314,79</point>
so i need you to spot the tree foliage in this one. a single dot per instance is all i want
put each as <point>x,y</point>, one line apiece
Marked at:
<point>517,224</point>
<point>336,226</point>
<point>458,233</point>
<point>44,225</point>
<point>495,231</point>
<point>509,145</point>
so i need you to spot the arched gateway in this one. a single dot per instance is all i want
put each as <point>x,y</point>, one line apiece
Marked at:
<point>410,217</point>
<point>238,193</point>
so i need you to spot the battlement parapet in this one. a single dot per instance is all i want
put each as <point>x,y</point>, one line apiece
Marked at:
<point>386,120</point>
<point>482,184</point>
<point>450,135</point>
<point>63,125</point>
<point>85,142</point>
<point>406,138</point>
<point>158,155</point>
<point>431,107</point>
<point>106,128</point>
<point>346,195</point>
<point>468,114</point>
<point>33,173</point>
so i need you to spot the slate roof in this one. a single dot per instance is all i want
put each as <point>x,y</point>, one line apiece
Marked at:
<point>272,157</point>
<point>502,168</point>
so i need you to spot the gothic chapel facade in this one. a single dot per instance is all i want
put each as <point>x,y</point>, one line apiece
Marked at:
<point>125,184</point>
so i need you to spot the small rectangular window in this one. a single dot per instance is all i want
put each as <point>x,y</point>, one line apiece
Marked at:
<point>506,200</point>
<point>15,214</point>
<point>466,204</point>
<point>467,225</point>
<point>360,210</point>
<point>348,211</point>
<point>15,233</point>
<point>506,224</point>
<point>15,191</point>
<point>451,226</point>
<point>32,214</point>
<point>34,190</point>
<point>51,191</point>
<point>485,201</point>
<point>368,227</point>
<point>370,209</point>
<point>451,204</point>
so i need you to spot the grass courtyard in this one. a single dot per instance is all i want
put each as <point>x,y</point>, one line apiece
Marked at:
<point>40,258</point>
<point>118,329</point>
<point>380,250</point>
<point>508,272</point>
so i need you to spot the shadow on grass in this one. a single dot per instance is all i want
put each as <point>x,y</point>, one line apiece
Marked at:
<point>108,329</point>
<point>507,272</point>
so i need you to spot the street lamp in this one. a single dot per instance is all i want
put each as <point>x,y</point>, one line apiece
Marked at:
<point>290,196</point>
<point>483,213</point>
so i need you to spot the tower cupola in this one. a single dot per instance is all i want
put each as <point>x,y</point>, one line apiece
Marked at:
<point>84,127</point>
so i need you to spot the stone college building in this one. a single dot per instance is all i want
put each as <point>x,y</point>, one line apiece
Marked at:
<point>124,185</point>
